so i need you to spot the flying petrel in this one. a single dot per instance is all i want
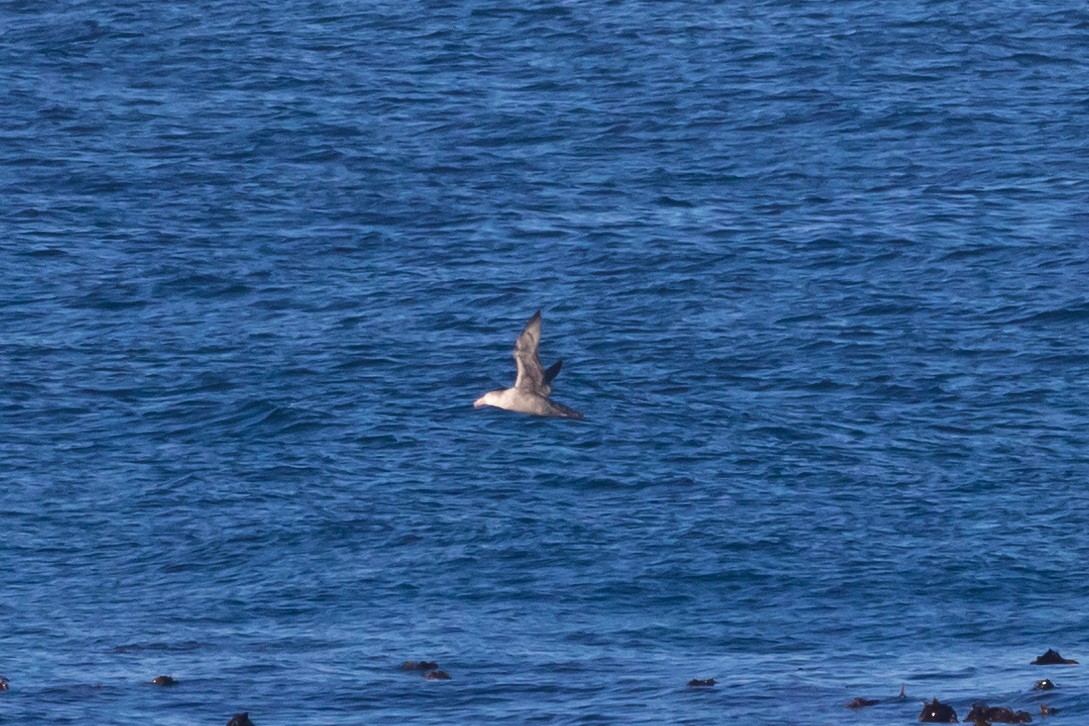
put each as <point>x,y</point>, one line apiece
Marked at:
<point>532,386</point>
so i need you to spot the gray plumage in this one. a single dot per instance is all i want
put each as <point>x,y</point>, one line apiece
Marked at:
<point>533,384</point>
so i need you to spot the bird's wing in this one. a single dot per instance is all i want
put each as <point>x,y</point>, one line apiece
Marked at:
<point>531,377</point>
<point>553,371</point>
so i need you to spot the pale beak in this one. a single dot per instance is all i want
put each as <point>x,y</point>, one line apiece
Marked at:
<point>479,402</point>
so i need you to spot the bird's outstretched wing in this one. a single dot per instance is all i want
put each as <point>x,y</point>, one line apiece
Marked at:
<point>552,372</point>
<point>531,378</point>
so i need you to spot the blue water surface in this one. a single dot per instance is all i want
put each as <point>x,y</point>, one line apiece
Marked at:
<point>817,272</point>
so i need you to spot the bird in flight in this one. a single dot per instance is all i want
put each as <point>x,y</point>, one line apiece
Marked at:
<point>533,384</point>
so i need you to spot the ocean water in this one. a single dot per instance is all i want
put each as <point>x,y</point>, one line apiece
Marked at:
<point>818,272</point>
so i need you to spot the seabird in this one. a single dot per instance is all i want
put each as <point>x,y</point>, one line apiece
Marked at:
<point>532,386</point>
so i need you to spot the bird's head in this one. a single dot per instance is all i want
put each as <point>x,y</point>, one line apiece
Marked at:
<point>491,398</point>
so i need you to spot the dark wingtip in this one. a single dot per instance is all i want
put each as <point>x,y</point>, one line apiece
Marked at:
<point>553,371</point>
<point>534,320</point>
